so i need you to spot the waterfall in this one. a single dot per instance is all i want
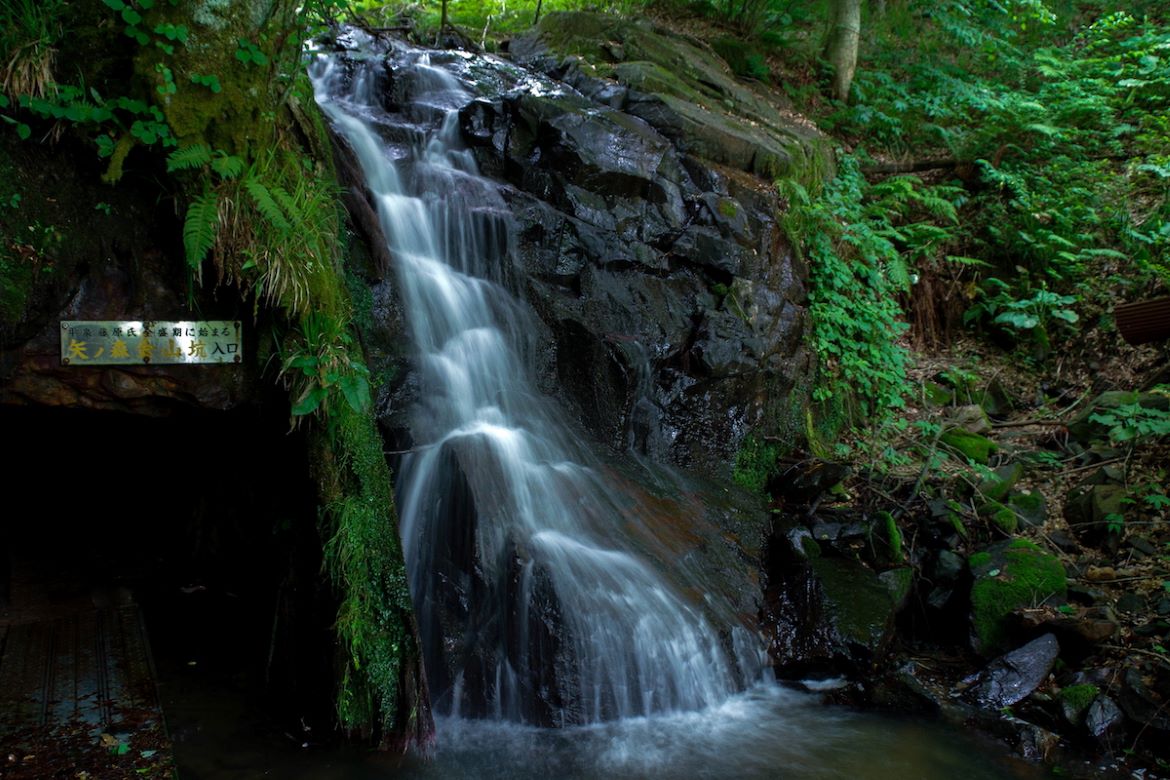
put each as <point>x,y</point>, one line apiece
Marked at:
<point>507,522</point>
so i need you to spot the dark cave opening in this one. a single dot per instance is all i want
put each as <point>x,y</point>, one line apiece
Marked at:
<point>207,522</point>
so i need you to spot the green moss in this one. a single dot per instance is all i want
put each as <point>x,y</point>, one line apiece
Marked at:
<point>1000,516</point>
<point>1079,697</point>
<point>365,560</point>
<point>886,537</point>
<point>969,445</point>
<point>1005,520</point>
<point>810,547</point>
<point>755,463</point>
<point>1010,575</point>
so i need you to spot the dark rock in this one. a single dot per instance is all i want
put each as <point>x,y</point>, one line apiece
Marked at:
<point>1131,602</point>
<point>1141,545</point>
<point>1156,628</point>
<point>803,482</point>
<point>1013,676</point>
<point>1104,717</point>
<point>825,615</point>
<point>1087,595</point>
<point>1064,542</point>
<point>1145,697</point>
<point>949,566</point>
<point>970,418</point>
<point>1000,483</point>
<point>1094,512</point>
<point>1030,507</point>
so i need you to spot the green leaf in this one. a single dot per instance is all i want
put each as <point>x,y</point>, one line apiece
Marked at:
<point>130,16</point>
<point>309,402</point>
<point>199,227</point>
<point>356,390</point>
<point>116,5</point>
<point>23,131</point>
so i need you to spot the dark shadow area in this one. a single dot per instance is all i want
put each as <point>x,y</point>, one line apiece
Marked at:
<point>207,522</point>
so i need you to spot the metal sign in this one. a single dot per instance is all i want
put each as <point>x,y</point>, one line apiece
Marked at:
<point>129,342</point>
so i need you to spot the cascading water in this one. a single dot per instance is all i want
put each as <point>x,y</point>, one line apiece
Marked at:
<point>504,524</point>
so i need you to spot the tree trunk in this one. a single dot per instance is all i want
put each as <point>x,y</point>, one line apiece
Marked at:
<point>841,44</point>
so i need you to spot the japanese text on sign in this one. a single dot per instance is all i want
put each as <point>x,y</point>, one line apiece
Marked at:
<point>127,342</point>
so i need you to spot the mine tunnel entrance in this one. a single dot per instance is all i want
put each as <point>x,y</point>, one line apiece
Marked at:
<point>197,529</point>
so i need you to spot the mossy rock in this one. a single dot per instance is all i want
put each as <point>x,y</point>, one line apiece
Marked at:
<point>1000,516</point>
<point>1007,576</point>
<point>997,485</point>
<point>860,605</point>
<point>1030,507</point>
<point>683,89</point>
<point>969,445</point>
<point>1075,700</point>
<point>886,538</point>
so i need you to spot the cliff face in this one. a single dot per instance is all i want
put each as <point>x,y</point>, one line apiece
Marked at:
<point>642,186</point>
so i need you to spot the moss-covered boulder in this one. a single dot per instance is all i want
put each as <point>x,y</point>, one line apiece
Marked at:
<point>969,445</point>
<point>681,87</point>
<point>1007,576</point>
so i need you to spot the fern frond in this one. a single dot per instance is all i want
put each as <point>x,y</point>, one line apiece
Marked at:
<point>199,227</point>
<point>188,157</point>
<point>228,166</point>
<point>288,203</point>
<point>264,201</point>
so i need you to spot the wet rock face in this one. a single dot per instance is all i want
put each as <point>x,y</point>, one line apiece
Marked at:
<point>823,614</point>
<point>1013,676</point>
<point>649,245</point>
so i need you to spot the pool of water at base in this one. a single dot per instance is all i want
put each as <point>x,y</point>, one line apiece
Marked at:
<point>768,731</point>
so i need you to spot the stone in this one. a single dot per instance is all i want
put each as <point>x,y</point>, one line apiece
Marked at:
<point>1014,676</point>
<point>1075,700</point>
<point>1095,514</point>
<point>1031,508</point>
<point>970,418</point>
<point>805,481</point>
<point>1001,481</point>
<point>949,566</point>
<point>1131,602</point>
<point>825,615</point>
<point>1103,717</point>
<point>1141,545</point>
<point>969,445</point>
<point>1007,576</point>
<point>1145,697</point>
